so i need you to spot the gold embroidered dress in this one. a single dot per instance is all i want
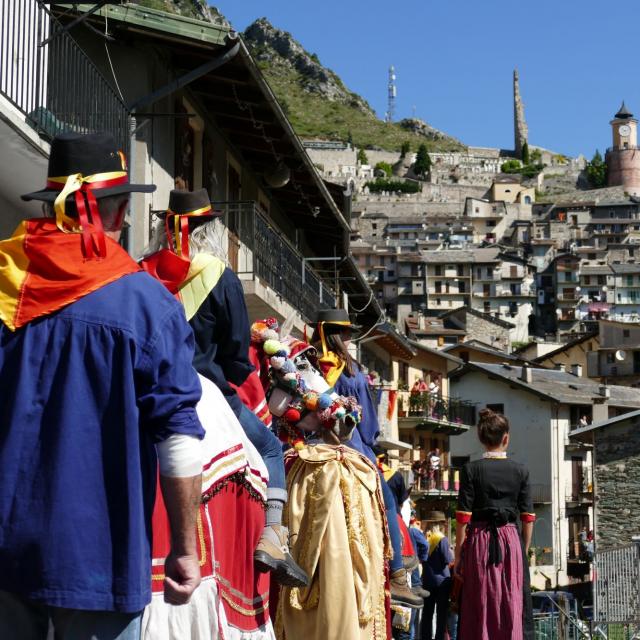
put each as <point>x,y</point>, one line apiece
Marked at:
<point>335,514</point>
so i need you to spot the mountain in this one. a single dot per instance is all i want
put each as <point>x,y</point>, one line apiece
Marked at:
<point>196,9</point>
<point>319,105</point>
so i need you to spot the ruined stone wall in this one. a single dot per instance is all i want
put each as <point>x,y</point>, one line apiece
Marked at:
<point>617,484</point>
<point>521,131</point>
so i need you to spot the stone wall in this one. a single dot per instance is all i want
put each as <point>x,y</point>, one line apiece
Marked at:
<point>487,332</point>
<point>617,484</point>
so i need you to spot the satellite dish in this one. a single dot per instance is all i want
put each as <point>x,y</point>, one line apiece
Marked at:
<point>621,355</point>
<point>278,176</point>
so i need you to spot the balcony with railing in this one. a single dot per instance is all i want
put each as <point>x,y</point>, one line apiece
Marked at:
<point>435,413</point>
<point>258,251</point>
<point>440,482</point>
<point>49,79</point>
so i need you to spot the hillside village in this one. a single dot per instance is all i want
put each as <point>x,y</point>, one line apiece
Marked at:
<point>485,276</point>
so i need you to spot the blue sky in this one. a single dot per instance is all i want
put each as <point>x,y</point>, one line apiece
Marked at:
<point>454,60</point>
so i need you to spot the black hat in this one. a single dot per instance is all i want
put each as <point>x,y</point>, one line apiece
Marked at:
<point>88,155</point>
<point>338,317</point>
<point>185,202</point>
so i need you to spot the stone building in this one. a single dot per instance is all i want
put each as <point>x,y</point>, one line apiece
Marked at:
<point>616,478</point>
<point>623,158</point>
<point>482,326</point>
<point>617,356</point>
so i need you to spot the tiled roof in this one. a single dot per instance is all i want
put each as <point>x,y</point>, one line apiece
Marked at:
<point>560,386</point>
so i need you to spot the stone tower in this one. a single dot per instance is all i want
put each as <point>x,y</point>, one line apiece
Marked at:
<point>623,158</point>
<point>521,131</point>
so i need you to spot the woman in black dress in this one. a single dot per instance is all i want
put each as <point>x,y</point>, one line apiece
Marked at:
<point>492,555</point>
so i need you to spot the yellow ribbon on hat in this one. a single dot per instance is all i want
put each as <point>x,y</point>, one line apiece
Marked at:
<point>75,182</point>
<point>182,231</point>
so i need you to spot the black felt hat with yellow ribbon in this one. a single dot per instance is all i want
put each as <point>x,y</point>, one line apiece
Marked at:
<point>338,318</point>
<point>185,207</point>
<point>85,168</point>
<point>95,160</point>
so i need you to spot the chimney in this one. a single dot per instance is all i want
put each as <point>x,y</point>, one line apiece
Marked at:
<point>560,367</point>
<point>576,370</point>
<point>526,375</point>
<point>604,391</point>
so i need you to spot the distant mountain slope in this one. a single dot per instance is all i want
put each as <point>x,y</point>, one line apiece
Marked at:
<point>320,106</point>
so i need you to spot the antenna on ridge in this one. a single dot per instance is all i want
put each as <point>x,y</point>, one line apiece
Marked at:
<point>391,104</point>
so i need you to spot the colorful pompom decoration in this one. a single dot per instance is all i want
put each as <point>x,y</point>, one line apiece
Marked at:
<point>270,334</point>
<point>292,416</point>
<point>340,412</point>
<point>288,366</point>
<point>271,347</point>
<point>277,362</point>
<point>324,401</point>
<point>310,401</point>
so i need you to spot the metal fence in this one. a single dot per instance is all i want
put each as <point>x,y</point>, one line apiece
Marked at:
<point>55,85</point>
<point>616,585</point>
<point>262,252</point>
<point>436,408</point>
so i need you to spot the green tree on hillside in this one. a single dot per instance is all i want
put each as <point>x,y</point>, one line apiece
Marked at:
<point>422,165</point>
<point>535,156</point>
<point>597,171</point>
<point>525,153</point>
<point>350,138</point>
<point>405,148</point>
<point>384,167</point>
<point>362,157</point>
<point>511,166</point>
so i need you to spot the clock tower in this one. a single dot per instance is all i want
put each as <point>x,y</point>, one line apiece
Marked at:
<point>623,158</point>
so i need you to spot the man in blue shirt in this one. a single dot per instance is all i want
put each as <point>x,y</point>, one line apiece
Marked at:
<point>96,376</point>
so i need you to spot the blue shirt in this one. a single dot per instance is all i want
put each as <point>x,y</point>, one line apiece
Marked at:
<point>435,570</point>
<point>222,333</point>
<point>421,547</point>
<point>86,392</point>
<point>365,435</point>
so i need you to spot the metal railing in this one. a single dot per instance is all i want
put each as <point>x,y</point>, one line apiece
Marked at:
<point>264,253</point>
<point>55,86</point>
<point>437,408</point>
<point>437,481</point>
<point>616,585</point>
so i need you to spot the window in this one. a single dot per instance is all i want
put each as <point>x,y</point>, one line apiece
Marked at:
<point>587,279</point>
<point>611,358</point>
<point>491,223</point>
<point>464,356</point>
<point>625,333</point>
<point>374,225</point>
<point>438,269</point>
<point>591,256</point>
<point>629,280</point>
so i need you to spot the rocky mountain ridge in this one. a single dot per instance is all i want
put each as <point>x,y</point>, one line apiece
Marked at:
<point>318,103</point>
<point>281,49</point>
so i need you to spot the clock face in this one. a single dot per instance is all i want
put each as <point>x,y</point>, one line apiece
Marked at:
<point>624,130</point>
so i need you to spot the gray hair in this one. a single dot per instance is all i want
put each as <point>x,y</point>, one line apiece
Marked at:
<point>208,238</point>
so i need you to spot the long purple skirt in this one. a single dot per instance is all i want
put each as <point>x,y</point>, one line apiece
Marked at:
<point>492,596</point>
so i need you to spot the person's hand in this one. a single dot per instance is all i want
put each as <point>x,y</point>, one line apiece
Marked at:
<point>182,577</point>
<point>457,567</point>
